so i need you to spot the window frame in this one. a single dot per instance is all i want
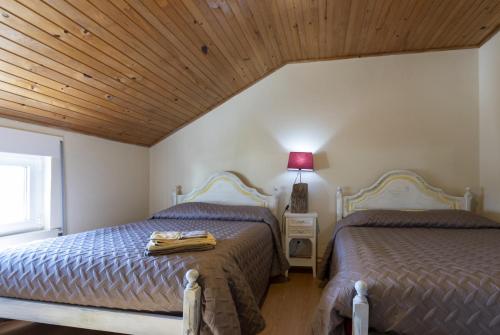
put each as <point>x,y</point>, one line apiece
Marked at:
<point>38,191</point>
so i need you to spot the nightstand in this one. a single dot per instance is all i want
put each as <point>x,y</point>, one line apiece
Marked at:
<point>300,239</point>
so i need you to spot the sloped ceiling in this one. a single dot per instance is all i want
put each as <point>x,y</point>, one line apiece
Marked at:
<point>135,71</point>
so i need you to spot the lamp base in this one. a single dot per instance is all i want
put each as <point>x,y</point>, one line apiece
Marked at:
<point>299,198</point>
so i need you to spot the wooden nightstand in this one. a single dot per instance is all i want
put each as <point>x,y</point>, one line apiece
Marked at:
<point>301,230</point>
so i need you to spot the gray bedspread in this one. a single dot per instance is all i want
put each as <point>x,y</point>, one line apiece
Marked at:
<point>433,272</point>
<point>107,267</point>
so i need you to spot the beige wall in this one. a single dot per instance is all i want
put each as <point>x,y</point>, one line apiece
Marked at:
<point>106,181</point>
<point>489,125</point>
<point>361,117</point>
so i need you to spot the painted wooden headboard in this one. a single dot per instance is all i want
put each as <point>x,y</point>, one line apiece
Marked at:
<point>226,188</point>
<point>400,190</point>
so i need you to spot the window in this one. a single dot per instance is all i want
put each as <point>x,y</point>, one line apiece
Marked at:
<point>31,186</point>
<point>25,192</point>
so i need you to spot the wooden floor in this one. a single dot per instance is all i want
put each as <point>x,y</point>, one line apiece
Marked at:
<point>287,309</point>
<point>289,306</point>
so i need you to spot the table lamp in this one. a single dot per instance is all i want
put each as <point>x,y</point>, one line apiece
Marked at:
<point>299,161</point>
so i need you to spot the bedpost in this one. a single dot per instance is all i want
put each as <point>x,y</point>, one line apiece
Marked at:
<point>178,191</point>
<point>340,203</point>
<point>191,313</point>
<point>360,309</point>
<point>468,199</point>
<point>273,204</point>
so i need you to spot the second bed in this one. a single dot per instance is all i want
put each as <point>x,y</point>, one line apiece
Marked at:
<point>422,262</point>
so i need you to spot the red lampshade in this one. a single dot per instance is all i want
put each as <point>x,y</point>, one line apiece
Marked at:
<point>300,161</point>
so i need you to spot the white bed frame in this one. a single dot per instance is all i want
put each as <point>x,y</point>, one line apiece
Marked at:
<point>222,188</point>
<point>397,190</point>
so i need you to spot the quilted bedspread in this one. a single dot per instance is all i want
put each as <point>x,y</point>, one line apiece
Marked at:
<point>434,273</point>
<point>107,267</point>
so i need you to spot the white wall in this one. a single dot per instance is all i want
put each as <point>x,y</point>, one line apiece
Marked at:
<point>106,181</point>
<point>489,112</point>
<point>361,117</point>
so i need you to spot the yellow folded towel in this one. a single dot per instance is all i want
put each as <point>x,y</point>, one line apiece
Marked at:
<point>162,243</point>
<point>178,235</point>
<point>169,244</point>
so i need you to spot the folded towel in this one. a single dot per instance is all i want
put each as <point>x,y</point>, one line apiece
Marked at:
<point>178,235</point>
<point>162,243</point>
<point>194,234</point>
<point>178,250</point>
<point>166,244</point>
<point>165,235</point>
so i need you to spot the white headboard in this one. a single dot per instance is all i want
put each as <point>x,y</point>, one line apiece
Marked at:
<point>226,188</point>
<point>400,190</point>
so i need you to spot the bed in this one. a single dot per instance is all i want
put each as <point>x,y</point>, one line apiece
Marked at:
<point>102,279</point>
<point>407,258</point>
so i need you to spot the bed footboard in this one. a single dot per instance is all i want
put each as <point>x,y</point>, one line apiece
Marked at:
<point>360,309</point>
<point>111,320</point>
<point>192,305</point>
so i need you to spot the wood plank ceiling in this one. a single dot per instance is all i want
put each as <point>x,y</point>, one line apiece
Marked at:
<point>135,71</point>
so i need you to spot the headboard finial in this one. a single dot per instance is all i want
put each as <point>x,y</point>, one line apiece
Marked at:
<point>468,199</point>
<point>175,194</point>
<point>340,203</point>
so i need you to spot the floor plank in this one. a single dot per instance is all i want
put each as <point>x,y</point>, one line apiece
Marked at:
<point>288,308</point>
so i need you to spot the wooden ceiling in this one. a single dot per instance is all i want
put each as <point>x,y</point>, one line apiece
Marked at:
<point>135,71</point>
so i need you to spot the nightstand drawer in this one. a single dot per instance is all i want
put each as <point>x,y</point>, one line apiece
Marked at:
<point>300,231</point>
<point>302,222</point>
